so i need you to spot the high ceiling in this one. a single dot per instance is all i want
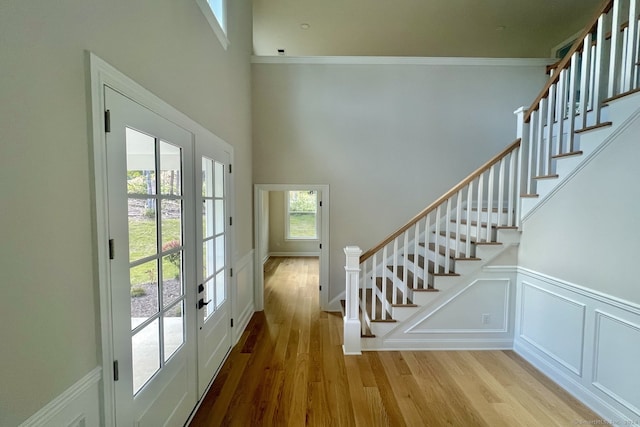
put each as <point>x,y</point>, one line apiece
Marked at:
<point>459,28</point>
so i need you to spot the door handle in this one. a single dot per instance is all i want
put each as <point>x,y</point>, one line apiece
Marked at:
<point>201,303</point>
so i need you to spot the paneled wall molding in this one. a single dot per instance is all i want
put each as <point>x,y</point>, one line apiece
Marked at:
<point>244,306</point>
<point>77,406</point>
<point>586,341</point>
<point>584,291</point>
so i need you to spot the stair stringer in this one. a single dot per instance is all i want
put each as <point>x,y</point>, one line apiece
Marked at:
<point>403,334</point>
<point>621,112</point>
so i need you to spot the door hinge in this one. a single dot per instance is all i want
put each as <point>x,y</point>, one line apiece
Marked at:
<point>320,245</point>
<point>229,167</point>
<point>320,203</point>
<point>320,287</point>
<point>112,254</point>
<point>231,272</point>
<point>116,374</point>
<point>232,323</point>
<point>230,221</point>
<point>107,121</point>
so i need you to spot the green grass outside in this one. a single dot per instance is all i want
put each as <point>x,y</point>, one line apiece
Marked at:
<point>142,243</point>
<point>302,226</point>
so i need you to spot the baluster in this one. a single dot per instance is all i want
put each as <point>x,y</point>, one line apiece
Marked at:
<point>500,192</point>
<point>374,286</point>
<point>395,276</point>
<point>436,246</point>
<point>571,107</point>
<point>447,240</point>
<point>362,297</point>
<point>490,185</point>
<point>416,237</point>
<point>585,77</point>
<point>540,146</point>
<point>467,246</point>
<point>405,271</point>
<point>427,239</point>
<point>458,221</point>
<point>616,51</point>
<point>530,171</point>
<point>597,67</point>
<point>631,48</point>
<point>551,102</point>
<point>514,193</point>
<point>561,102</point>
<point>479,201</point>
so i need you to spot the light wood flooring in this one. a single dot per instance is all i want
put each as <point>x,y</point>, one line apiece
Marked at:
<point>288,370</point>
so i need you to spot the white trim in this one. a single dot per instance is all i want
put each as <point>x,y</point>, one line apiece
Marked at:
<point>590,293</point>
<point>443,344</point>
<point>75,406</point>
<point>402,60</point>
<point>294,254</point>
<point>103,74</point>
<point>219,30</point>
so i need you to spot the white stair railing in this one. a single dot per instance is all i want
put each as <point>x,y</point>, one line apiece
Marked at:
<point>603,63</point>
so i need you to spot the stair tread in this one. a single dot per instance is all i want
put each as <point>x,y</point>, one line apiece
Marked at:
<point>378,314</point>
<point>622,95</point>
<point>430,270</point>
<point>390,287</point>
<point>594,127</point>
<point>551,176</point>
<point>504,210</point>
<point>569,154</point>
<point>442,250</point>
<point>367,333</point>
<point>463,238</point>
<point>529,196</point>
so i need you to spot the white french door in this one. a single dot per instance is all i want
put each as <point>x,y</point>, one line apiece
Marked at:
<point>214,308</point>
<point>151,220</point>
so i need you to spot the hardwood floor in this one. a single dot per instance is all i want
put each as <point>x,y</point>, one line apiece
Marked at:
<point>288,370</point>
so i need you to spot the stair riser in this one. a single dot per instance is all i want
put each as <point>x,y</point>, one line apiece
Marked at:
<point>431,256</point>
<point>486,217</point>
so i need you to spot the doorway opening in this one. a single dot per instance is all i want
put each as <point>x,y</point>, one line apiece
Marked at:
<point>291,221</point>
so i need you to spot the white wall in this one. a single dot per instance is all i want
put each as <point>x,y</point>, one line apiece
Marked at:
<point>277,242</point>
<point>388,139</point>
<point>47,252</point>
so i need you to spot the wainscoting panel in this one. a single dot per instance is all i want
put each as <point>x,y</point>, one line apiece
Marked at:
<point>617,360</point>
<point>543,310</point>
<point>78,406</point>
<point>483,306</point>
<point>587,342</point>
<point>243,296</point>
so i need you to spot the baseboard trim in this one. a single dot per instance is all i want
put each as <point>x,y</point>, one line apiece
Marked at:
<point>79,405</point>
<point>440,344</point>
<point>577,390</point>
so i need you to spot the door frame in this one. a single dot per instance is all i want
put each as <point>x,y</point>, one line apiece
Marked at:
<point>103,74</point>
<point>260,224</point>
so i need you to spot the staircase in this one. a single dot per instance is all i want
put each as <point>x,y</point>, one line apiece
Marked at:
<point>440,268</point>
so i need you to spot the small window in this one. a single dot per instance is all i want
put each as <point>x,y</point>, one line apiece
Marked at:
<point>301,218</point>
<point>216,13</point>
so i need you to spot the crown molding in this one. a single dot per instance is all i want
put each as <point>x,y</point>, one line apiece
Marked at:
<point>402,60</point>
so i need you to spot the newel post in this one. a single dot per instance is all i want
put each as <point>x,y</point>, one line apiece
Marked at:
<point>351,318</point>
<point>522,177</point>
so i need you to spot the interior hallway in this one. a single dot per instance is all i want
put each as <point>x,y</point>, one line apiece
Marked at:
<point>288,370</point>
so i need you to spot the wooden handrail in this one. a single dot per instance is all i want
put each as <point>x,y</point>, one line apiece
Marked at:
<point>604,8</point>
<point>495,159</point>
